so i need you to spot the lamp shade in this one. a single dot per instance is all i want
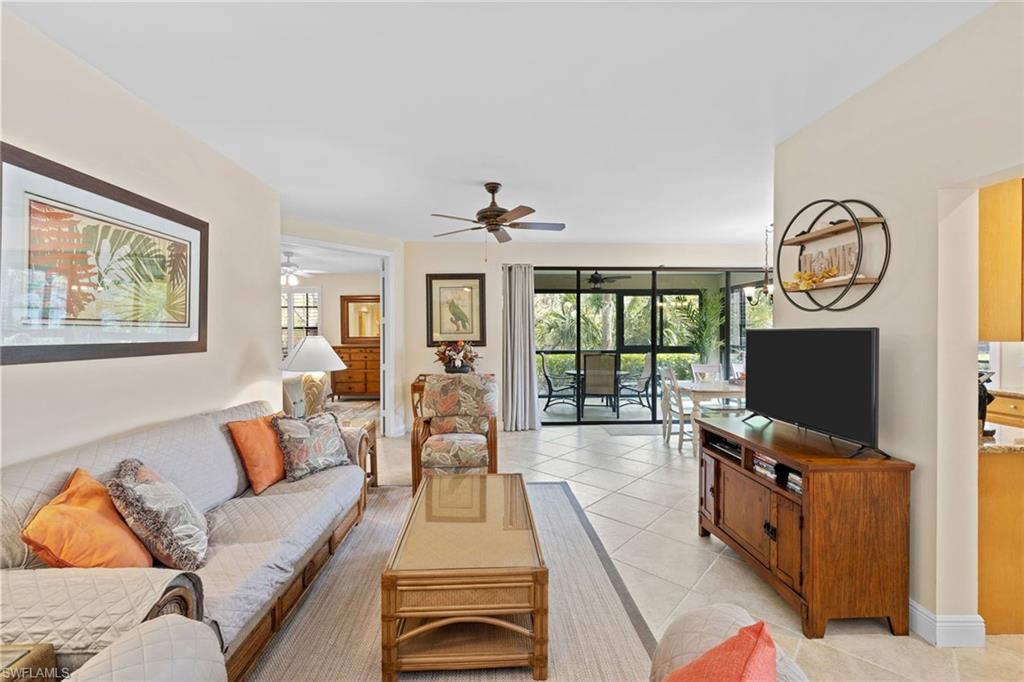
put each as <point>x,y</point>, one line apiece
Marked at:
<point>313,354</point>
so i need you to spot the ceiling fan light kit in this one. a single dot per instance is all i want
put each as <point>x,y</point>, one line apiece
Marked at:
<point>290,272</point>
<point>495,219</point>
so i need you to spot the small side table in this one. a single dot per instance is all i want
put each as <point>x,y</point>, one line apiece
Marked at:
<point>370,426</point>
<point>416,391</point>
<point>28,662</point>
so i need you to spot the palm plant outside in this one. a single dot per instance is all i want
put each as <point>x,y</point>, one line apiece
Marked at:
<point>701,324</point>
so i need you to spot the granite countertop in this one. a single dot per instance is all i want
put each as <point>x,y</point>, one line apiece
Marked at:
<point>1015,393</point>
<point>1007,439</point>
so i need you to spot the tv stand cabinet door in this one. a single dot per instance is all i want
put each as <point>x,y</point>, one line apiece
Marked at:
<point>787,546</point>
<point>708,477</point>
<point>745,508</point>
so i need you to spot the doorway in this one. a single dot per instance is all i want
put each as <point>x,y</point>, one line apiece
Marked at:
<point>341,294</point>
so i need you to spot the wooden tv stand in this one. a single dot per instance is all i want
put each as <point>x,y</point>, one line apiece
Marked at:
<point>838,550</point>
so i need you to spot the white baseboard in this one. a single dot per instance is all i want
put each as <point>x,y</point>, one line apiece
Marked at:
<point>964,631</point>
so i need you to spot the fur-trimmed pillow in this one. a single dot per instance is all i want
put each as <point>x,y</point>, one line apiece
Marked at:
<point>158,512</point>
<point>310,445</point>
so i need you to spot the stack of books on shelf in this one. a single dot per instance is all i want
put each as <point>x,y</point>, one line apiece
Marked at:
<point>795,483</point>
<point>764,466</point>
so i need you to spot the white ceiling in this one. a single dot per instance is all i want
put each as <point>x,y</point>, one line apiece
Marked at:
<point>317,258</point>
<point>629,122</point>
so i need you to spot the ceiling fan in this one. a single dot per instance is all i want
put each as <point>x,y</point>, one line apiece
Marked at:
<point>596,280</point>
<point>495,219</point>
<point>290,272</point>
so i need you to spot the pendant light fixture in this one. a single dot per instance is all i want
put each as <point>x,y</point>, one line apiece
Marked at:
<point>765,292</point>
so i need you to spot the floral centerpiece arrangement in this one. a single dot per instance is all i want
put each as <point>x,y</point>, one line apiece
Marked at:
<point>456,356</point>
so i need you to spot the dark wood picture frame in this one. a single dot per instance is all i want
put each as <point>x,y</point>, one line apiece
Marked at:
<point>16,355</point>
<point>480,278</point>
<point>348,340</point>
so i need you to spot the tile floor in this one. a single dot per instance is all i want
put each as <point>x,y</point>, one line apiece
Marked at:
<point>641,497</point>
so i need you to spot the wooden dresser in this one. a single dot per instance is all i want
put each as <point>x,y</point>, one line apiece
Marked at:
<point>838,549</point>
<point>362,377</point>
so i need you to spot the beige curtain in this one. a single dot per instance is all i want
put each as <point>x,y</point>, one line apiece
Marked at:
<point>519,411</point>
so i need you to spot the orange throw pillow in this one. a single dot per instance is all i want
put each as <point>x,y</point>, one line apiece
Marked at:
<point>80,528</point>
<point>747,656</point>
<point>257,445</point>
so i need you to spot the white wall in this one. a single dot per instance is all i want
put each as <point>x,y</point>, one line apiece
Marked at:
<point>943,120</point>
<point>442,256</point>
<point>332,287</point>
<point>58,107</point>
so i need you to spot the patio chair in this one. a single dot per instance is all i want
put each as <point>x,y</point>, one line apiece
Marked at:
<point>600,379</point>
<point>558,393</point>
<point>672,408</point>
<point>637,392</point>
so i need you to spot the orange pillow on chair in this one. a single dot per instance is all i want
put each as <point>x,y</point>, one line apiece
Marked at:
<point>80,528</point>
<point>747,656</point>
<point>257,445</point>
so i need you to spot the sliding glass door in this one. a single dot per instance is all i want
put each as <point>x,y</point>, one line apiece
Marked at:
<point>605,336</point>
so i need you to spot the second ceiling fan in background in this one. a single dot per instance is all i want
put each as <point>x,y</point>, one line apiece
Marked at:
<point>495,219</point>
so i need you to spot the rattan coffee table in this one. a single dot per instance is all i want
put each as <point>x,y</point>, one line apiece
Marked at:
<point>466,585</point>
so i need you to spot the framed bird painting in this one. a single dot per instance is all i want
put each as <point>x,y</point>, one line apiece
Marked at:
<point>456,309</point>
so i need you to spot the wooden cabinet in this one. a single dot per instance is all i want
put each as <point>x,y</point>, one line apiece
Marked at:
<point>361,376</point>
<point>746,508</point>
<point>838,549</point>
<point>1006,410</point>
<point>786,534</point>
<point>1001,541</point>
<point>708,479</point>
<point>1001,262</point>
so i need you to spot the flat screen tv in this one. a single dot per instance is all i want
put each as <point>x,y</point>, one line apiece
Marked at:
<point>820,379</point>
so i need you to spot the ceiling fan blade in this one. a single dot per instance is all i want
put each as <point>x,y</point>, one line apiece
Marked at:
<point>454,217</point>
<point>515,214</point>
<point>465,229</point>
<point>551,227</point>
<point>501,235</point>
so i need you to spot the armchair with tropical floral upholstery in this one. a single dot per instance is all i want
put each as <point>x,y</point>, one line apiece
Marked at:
<point>457,430</point>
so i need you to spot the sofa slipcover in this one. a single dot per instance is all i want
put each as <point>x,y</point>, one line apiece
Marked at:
<point>165,649</point>
<point>82,610</point>
<point>194,453</point>
<point>255,541</point>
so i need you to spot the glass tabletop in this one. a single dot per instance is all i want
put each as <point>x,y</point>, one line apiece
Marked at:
<point>468,521</point>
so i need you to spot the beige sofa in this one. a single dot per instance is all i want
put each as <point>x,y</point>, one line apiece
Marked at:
<point>264,551</point>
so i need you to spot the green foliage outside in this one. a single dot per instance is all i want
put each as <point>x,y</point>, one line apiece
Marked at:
<point>690,320</point>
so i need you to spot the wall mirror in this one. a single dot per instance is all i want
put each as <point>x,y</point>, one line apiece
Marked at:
<point>360,320</point>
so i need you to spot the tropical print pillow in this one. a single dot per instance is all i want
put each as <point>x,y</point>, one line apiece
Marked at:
<point>459,424</point>
<point>447,395</point>
<point>166,522</point>
<point>310,445</point>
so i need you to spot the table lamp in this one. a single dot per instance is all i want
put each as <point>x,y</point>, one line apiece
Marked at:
<point>313,354</point>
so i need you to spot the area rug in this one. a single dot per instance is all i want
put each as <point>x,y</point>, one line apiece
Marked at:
<point>595,632</point>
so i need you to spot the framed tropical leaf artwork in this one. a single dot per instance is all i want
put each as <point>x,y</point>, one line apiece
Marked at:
<point>456,309</point>
<point>89,270</point>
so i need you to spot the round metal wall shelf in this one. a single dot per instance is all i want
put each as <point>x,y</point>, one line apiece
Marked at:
<point>812,233</point>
